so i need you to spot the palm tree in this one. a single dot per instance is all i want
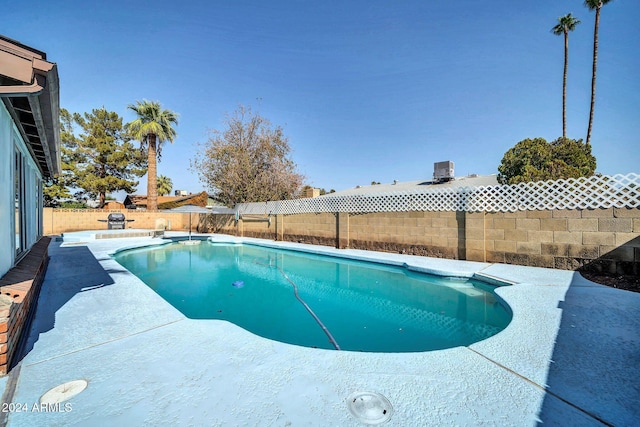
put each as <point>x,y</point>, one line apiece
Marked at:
<point>594,5</point>
<point>164,185</point>
<point>152,127</point>
<point>565,24</point>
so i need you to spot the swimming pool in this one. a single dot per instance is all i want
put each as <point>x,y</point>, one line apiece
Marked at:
<point>320,301</point>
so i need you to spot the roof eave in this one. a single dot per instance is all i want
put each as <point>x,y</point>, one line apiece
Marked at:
<point>34,100</point>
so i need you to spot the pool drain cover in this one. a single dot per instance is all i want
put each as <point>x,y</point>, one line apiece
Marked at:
<point>63,392</point>
<point>369,407</point>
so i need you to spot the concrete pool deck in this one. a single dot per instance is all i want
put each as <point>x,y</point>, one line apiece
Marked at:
<point>571,356</point>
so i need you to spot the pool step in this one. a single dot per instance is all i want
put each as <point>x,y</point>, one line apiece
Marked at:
<point>493,280</point>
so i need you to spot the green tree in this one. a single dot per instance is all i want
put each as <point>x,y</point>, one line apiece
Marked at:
<point>56,189</point>
<point>565,24</point>
<point>152,127</point>
<point>594,5</point>
<point>164,185</point>
<point>525,162</point>
<point>537,160</point>
<point>571,159</point>
<point>248,161</point>
<point>102,158</point>
<point>73,205</point>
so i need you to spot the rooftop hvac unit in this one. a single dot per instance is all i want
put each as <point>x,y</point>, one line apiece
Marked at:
<point>443,171</point>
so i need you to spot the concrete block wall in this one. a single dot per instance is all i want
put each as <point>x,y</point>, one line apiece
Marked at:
<point>263,227</point>
<point>58,221</point>
<point>318,229</point>
<point>215,224</point>
<point>603,240</point>
<point>437,234</point>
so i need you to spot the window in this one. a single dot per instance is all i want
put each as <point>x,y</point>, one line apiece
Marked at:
<point>20,210</point>
<point>38,205</point>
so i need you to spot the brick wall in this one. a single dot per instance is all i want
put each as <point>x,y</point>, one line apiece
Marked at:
<point>19,291</point>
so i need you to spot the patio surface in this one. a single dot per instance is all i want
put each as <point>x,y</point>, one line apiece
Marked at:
<point>571,356</point>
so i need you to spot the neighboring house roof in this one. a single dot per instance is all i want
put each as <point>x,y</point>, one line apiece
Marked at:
<point>29,88</point>
<point>168,202</point>
<point>466,181</point>
<point>208,210</point>
<point>112,204</point>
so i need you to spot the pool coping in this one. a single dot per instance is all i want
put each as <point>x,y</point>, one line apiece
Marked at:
<point>410,262</point>
<point>517,364</point>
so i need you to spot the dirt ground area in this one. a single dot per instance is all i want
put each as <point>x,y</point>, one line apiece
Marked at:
<point>626,282</point>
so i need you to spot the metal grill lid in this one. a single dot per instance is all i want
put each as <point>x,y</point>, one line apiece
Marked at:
<point>116,217</point>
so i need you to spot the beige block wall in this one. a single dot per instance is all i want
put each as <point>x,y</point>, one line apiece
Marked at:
<point>601,239</point>
<point>312,228</point>
<point>257,226</point>
<point>438,234</point>
<point>58,221</point>
<point>224,224</point>
<point>318,225</point>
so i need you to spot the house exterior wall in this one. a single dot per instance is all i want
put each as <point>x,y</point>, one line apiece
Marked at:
<point>7,230</point>
<point>10,143</point>
<point>29,151</point>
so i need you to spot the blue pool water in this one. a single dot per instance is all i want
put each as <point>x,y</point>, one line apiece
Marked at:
<point>350,305</point>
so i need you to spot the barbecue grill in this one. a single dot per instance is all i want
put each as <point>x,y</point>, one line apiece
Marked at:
<point>115,221</point>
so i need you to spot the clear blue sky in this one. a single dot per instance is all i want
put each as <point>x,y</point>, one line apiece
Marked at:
<point>365,90</point>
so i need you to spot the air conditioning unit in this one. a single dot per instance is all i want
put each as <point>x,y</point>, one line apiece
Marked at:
<point>443,171</point>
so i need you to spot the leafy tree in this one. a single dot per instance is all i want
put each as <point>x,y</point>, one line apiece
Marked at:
<point>71,204</point>
<point>594,5</point>
<point>537,160</point>
<point>565,24</point>
<point>571,159</point>
<point>103,160</point>
<point>164,185</point>
<point>152,127</point>
<point>54,191</point>
<point>248,161</point>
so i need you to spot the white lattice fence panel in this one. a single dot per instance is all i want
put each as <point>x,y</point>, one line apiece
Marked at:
<point>620,191</point>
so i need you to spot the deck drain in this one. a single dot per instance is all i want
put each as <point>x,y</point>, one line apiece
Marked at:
<point>369,407</point>
<point>63,392</point>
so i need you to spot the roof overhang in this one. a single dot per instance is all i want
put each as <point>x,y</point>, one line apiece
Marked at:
<point>29,88</point>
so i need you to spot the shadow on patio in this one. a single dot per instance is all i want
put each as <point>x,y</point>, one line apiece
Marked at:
<point>71,270</point>
<point>596,359</point>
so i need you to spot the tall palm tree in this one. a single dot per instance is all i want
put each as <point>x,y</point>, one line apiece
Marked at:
<point>164,185</point>
<point>594,5</point>
<point>152,127</point>
<point>565,24</point>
